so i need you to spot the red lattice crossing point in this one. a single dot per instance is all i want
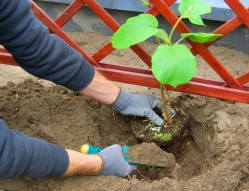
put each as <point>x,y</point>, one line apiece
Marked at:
<point>230,88</point>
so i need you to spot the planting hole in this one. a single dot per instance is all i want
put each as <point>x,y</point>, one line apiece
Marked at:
<point>190,147</point>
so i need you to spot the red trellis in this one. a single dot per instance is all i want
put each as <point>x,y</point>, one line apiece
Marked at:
<point>231,88</point>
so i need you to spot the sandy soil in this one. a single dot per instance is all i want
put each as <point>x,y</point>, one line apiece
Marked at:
<point>216,157</point>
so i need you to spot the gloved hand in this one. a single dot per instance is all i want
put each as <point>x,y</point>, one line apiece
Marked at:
<point>114,163</point>
<point>140,105</point>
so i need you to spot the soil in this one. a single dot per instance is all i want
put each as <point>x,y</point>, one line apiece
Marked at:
<point>216,157</point>
<point>171,138</point>
<point>141,153</point>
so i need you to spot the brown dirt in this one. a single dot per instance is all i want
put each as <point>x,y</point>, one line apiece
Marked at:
<point>176,134</point>
<point>216,155</point>
<point>141,153</point>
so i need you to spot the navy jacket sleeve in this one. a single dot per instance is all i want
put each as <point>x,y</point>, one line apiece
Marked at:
<point>24,156</point>
<point>37,51</point>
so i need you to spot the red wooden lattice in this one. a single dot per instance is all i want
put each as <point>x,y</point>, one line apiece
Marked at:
<point>231,88</point>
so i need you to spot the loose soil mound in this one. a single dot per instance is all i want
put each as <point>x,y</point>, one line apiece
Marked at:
<point>142,153</point>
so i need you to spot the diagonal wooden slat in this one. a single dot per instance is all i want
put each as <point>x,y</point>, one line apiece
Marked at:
<point>54,28</point>
<point>69,12</point>
<point>6,58</point>
<point>3,50</point>
<point>244,78</point>
<point>240,10</point>
<point>103,52</point>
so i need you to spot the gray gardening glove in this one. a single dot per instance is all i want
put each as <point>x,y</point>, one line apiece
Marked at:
<point>140,105</point>
<point>114,163</point>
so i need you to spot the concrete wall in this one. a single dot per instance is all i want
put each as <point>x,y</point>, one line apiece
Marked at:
<point>86,21</point>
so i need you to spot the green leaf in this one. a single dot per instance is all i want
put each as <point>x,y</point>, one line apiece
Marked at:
<point>173,65</point>
<point>162,35</point>
<point>201,37</point>
<point>197,20</point>
<point>192,9</point>
<point>136,29</point>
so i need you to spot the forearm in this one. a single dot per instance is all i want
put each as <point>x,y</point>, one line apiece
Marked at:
<point>109,161</point>
<point>102,89</point>
<point>83,164</point>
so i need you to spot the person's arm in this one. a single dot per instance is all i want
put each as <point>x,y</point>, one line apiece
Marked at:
<point>48,57</point>
<point>126,103</point>
<point>39,52</point>
<point>82,164</point>
<point>109,161</point>
<point>24,156</point>
<point>101,89</point>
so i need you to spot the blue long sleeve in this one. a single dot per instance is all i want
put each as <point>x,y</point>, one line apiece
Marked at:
<point>37,51</point>
<point>24,156</point>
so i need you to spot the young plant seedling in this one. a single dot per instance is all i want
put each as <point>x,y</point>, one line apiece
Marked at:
<point>172,63</point>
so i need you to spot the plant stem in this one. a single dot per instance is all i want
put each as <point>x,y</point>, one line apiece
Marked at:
<point>173,29</point>
<point>163,101</point>
<point>169,104</point>
<point>158,41</point>
<point>166,40</point>
<point>146,3</point>
<point>177,22</point>
<point>166,115</point>
<point>179,41</point>
<point>169,98</point>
